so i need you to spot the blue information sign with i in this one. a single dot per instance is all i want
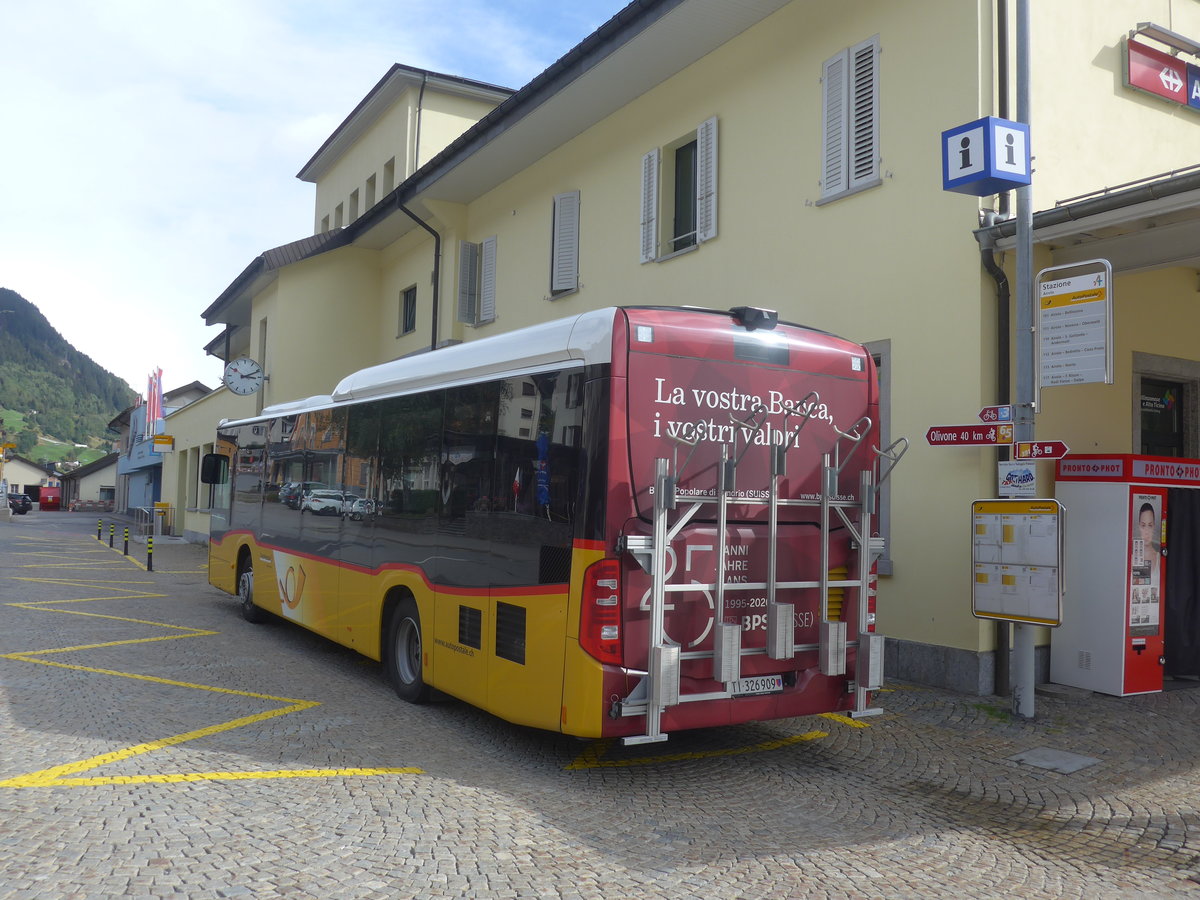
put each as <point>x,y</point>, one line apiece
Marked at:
<point>987,156</point>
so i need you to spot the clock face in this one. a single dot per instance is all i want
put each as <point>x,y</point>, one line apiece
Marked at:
<point>243,376</point>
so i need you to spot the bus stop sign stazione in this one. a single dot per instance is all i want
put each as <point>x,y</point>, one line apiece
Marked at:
<point>1075,324</point>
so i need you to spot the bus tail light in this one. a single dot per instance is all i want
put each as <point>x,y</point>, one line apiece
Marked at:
<point>600,615</point>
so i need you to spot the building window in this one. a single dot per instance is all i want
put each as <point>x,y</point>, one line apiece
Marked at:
<point>685,214</point>
<point>683,220</point>
<point>1166,408</point>
<point>850,121</point>
<point>408,311</point>
<point>370,199</point>
<point>389,175</point>
<point>353,206</point>
<point>339,215</point>
<point>477,282</point>
<point>324,224</point>
<point>1162,404</point>
<point>564,249</point>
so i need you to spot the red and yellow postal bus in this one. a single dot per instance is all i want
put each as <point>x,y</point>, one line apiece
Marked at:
<point>624,523</point>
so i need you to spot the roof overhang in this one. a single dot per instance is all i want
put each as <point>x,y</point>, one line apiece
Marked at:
<point>642,46</point>
<point>233,306</point>
<point>1152,224</point>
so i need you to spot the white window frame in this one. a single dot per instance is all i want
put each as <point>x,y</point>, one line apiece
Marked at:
<point>411,290</point>
<point>477,281</point>
<point>564,245</point>
<point>850,158</point>
<point>654,203</point>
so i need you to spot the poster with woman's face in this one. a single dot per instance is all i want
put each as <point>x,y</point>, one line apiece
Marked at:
<point>1145,569</point>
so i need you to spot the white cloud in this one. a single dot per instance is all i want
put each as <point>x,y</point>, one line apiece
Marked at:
<point>151,148</point>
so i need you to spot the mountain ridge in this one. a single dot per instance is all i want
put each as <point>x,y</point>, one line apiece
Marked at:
<point>56,390</point>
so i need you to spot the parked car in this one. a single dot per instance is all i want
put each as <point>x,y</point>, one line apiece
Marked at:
<point>292,493</point>
<point>362,508</point>
<point>20,503</point>
<point>328,503</point>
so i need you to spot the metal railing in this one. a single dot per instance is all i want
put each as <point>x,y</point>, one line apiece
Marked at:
<point>154,520</point>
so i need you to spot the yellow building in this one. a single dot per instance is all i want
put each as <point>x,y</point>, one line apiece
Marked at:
<point>781,154</point>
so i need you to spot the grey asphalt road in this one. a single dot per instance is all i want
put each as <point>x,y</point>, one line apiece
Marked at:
<point>152,744</point>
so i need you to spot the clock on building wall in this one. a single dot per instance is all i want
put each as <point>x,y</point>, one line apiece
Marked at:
<point>243,376</point>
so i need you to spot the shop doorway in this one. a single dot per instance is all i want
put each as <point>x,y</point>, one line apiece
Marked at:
<point>1181,613</point>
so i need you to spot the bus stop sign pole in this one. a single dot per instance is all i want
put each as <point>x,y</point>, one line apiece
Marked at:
<point>1023,674</point>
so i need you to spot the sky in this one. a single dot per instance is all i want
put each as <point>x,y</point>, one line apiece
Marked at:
<point>149,148</point>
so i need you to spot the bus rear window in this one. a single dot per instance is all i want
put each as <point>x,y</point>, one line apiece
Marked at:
<point>761,347</point>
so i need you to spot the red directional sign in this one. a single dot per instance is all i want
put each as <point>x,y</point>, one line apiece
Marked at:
<point>1041,449</point>
<point>995,414</point>
<point>969,435</point>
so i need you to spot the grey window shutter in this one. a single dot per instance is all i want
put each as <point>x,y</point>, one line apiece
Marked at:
<point>650,206</point>
<point>863,155</point>
<point>468,282</point>
<point>706,180</point>
<point>487,281</point>
<point>833,125</point>
<point>564,259</point>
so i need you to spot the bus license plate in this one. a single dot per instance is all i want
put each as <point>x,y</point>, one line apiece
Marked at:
<point>759,684</point>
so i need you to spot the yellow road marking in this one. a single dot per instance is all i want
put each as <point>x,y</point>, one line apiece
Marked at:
<point>592,757</point>
<point>845,720</point>
<point>182,777</point>
<point>69,774</point>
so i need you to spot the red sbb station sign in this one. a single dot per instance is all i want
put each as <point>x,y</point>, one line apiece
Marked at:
<point>1041,450</point>
<point>969,435</point>
<point>1161,74</point>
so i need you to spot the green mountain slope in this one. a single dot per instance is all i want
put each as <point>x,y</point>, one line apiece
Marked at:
<point>61,392</point>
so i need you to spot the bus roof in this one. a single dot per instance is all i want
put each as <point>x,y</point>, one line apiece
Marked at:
<point>584,339</point>
<point>579,340</point>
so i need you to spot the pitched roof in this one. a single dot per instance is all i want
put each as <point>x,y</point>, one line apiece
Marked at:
<point>266,263</point>
<point>94,466</point>
<point>398,79</point>
<point>625,57</point>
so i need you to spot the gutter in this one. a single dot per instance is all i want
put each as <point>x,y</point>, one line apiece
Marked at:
<point>1170,185</point>
<point>437,267</point>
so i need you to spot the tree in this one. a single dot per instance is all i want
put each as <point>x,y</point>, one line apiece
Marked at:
<point>26,441</point>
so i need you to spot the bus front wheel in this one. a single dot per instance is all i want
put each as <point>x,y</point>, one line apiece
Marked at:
<point>245,586</point>
<point>403,658</point>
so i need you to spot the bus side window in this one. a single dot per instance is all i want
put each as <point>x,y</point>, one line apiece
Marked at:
<point>214,469</point>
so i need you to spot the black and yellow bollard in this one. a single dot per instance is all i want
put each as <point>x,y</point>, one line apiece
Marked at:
<point>99,529</point>
<point>150,554</point>
<point>112,532</point>
<point>126,550</point>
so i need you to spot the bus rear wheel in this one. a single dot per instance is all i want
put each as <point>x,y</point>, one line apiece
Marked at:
<point>403,657</point>
<point>245,586</point>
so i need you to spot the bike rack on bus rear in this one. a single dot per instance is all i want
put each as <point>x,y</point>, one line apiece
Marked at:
<point>659,687</point>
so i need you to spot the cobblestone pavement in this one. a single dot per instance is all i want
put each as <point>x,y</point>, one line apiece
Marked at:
<point>152,744</point>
